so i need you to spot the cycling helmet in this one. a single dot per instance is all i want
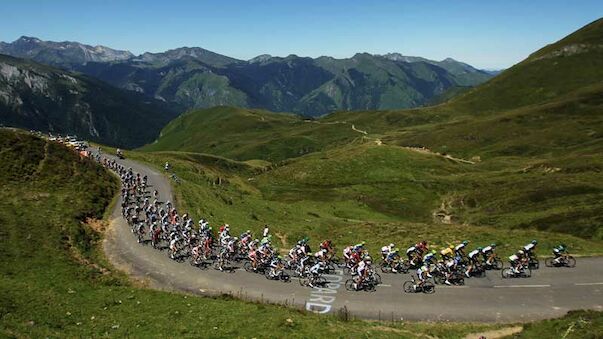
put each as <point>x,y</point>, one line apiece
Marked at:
<point>465,242</point>
<point>493,244</point>
<point>562,245</point>
<point>520,252</point>
<point>280,257</point>
<point>433,252</point>
<point>424,242</point>
<point>396,249</point>
<point>534,242</point>
<point>451,247</point>
<point>479,248</point>
<point>391,245</point>
<point>368,258</point>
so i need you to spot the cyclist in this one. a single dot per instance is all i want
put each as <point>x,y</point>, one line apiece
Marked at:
<point>447,253</point>
<point>430,257</point>
<point>459,250</point>
<point>488,253</point>
<point>328,246</point>
<point>529,248</point>
<point>276,266</point>
<point>473,261</point>
<point>321,255</point>
<point>516,261</point>
<point>391,257</point>
<point>422,274</point>
<point>362,271</point>
<point>316,270</point>
<point>386,249</point>
<point>560,252</point>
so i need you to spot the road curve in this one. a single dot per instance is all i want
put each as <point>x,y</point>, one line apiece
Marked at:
<point>550,292</point>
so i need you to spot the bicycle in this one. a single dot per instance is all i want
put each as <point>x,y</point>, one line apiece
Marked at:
<point>411,286</point>
<point>564,261</point>
<point>524,272</point>
<point>281,276</point>
<point>312,280</point>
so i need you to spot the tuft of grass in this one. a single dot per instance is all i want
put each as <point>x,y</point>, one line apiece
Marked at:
<point>574,325</point>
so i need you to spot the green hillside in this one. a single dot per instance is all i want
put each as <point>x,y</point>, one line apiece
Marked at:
<point>44,98</point>
<point>532,163</point>
<point>555,70</point>
<point>56,282</point>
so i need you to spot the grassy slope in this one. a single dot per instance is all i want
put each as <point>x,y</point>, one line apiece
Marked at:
<point>575,325</point>
<point>341,194</point>
<point>55,282</point>
<point>535,131</point>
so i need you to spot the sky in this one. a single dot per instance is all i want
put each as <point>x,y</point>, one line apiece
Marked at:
<point>485,34</point>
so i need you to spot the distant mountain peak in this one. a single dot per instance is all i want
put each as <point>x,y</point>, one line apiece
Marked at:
<point>198,53</point>
<point>63,53</point>
<point>260,58</point>
<point>25,38</point>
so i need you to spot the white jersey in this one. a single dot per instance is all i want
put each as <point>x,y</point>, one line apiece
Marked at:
<point>487,249</point>
<point>529,247</point>
<point>473,253</point>
<point>386,249</point>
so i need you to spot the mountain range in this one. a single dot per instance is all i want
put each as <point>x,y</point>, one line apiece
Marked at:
<point>46,98</point>
<point>198,78</point>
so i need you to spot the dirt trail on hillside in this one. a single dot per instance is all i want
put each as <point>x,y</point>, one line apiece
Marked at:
<point>379,142</point>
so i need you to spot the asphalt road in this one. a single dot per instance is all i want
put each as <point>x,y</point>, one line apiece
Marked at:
<point>550,292</point>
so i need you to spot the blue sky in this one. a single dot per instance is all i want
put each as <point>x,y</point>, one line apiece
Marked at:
<point>486,34</point>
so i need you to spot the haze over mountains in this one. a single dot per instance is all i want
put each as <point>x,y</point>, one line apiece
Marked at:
<point>198,78</point>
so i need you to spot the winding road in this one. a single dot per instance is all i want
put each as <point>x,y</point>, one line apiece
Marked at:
<point>550,292</point>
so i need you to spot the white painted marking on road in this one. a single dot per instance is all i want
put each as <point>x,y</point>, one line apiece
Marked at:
<point>453,287</point>
<point>588,284</point>
<point>384,285</point>
<point>519,286</point>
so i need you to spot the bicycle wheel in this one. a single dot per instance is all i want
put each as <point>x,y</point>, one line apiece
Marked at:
<point>534,263</point>
<point>408,286</point>
<point>330,268</point>
<point>439,279</point>
<point>506,273</point>
<point>460,281</point>
<point>526,273</point>
<point>428,287</point>
<point>497,264</point>
<point>548,262</point>
<point>304,281</point>
<point>370,287</point>
<point>570,261</point>
<point>285,277</point>
<point>320,281</point>
<point>248,267</point>
<point>267,275</point>
<point>349,284</point>
<point>385,268</point>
